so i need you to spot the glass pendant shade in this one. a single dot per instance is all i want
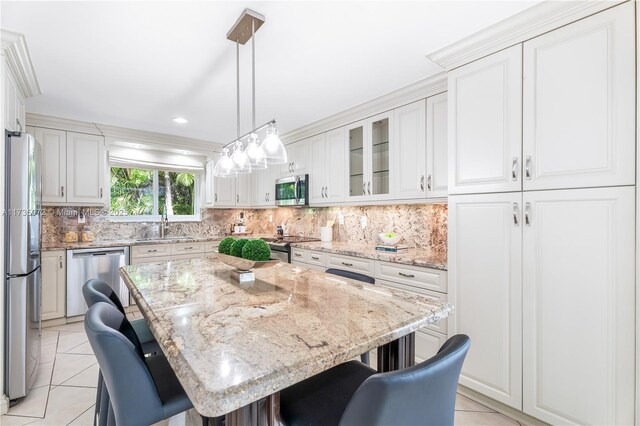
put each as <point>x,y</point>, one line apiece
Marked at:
<point>255,153</point>
<point>224,165</point>
<point>241,164</point>
<point>274,150</point>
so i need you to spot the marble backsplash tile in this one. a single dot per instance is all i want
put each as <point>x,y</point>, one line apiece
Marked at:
<point>421,225</point>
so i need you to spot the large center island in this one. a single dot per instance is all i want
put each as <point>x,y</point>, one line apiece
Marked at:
<point>232,344</point>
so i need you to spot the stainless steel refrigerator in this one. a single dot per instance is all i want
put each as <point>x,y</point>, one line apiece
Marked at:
<point>23,287</point>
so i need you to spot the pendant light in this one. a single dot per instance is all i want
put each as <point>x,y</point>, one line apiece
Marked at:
<point>256,155</point>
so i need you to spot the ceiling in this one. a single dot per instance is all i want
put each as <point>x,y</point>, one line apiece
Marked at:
<point>138,64</point>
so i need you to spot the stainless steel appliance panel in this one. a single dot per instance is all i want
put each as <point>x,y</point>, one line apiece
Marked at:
<point>292,191</point>
<point>101,263</point>
<point>23,283</point>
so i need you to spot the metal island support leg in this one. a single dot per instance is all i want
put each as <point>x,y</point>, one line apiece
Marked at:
<point>265,412</point>
<point>398,354</point>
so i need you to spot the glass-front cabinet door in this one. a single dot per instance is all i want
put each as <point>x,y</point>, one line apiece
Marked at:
<point>356,159</point>
<point>369,157</point>
<point>379,180</point>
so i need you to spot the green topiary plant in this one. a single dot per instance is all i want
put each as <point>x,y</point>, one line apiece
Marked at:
<point>256,250</point>
<point>236,247</point>
<point>225,245</point>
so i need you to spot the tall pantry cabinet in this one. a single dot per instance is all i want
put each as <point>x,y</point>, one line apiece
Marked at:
<point>542,223</point>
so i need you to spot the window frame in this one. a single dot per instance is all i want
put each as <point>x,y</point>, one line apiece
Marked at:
<point>197,217</point>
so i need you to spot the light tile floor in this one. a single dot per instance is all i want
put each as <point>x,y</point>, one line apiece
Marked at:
<point>65,389</point>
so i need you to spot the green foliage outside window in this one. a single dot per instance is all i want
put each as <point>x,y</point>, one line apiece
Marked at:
<point>133,194</point>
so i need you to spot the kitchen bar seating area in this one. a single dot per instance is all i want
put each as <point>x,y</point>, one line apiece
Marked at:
<point>320,213</point>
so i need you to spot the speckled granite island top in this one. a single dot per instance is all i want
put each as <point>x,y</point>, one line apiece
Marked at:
<point>415,257</point>
<point>231,344</point>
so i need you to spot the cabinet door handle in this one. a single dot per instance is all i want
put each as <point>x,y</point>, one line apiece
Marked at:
<point>268,196</point>
<point>515,214</point>
<point>527,208</point>
<point>422,183</point>
<point>62,191</point>
<point>215,197</point>
<point>100,192</point>
<point>402,274</point>
<point>527,166</point>
<point>237,198</point>
<point>60,260</point>
<point>326,192</point>
<point>514,169</point>
<point>364,188</point>
<point>429,183</point>
<point>369,187</point>
<point>347,264</point>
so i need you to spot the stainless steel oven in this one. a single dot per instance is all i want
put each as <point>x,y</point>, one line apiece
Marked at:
<point>292,191</point>
<point>281,245</point>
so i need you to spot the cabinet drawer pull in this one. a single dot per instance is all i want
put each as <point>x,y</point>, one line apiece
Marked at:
<point>152,251</point>
<point>347,264</point>
<point>188,248</point>
<point>297,255</point>
<point>406,275</point>
<point>315,258</point>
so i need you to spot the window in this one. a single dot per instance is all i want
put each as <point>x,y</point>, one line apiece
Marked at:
<point>145,194</point>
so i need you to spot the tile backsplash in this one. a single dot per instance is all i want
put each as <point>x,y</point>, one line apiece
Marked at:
<point>421,225</point>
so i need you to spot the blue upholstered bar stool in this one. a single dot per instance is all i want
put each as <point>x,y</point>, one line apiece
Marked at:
<point>142,390</point>
<point>354,394</point>
<point>358,277</point>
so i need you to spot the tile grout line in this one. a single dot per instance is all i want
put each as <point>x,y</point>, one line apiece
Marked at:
<point>79,372</point>
<point>55,357</point>
<point>80,415</point>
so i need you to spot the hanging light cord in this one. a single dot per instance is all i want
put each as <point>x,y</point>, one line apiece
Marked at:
<point>238,88</point>
<point>253,73</point>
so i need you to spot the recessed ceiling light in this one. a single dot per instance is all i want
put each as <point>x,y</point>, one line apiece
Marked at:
<point>180,120</point>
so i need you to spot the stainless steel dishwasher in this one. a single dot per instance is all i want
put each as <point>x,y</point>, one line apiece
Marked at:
<point>102,263</point>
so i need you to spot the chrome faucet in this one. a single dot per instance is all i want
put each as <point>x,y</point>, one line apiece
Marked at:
<point>164,224</point>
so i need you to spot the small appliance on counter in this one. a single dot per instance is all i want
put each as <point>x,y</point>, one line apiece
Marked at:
<point>281,246</point>
<point>326,232</point>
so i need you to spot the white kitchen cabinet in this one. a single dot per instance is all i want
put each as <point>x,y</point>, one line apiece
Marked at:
<point>370,156</point>
<point>244,196</point>
<point>578,300</point>
<point>14,112</point>
<point>410,160</point>
<point>485,286</point>
<point>224,194</point>
<point>428,344</point>
<point>264,183</point>
<point>209,190</point>
<point>328,167</point>
<point>85,169</point>
<point>485,124</point>
<point>437,176</point>
<point>54,284</point>
<point>54,172</point>
<point>579,103</point>
<point>299,159</point>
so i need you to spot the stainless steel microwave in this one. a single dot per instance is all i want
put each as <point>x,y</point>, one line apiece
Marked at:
<point>292,191</point>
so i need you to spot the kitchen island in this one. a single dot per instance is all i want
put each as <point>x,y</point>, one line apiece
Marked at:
<point>233,344</point>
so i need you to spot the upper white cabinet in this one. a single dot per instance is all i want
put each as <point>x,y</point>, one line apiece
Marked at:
<point>410,161</point>
<point>54,173</point>
<point>369,158</point>
<point>328,167</point>
<point>578,300</point>
<point>579,103</point>
<point>244,195</point>
<point>85,168</point>
<point>437,176</point>
<point>73,167</point>
<point>14,111</point>
<point>485,286</point>
<point>264,187</point>
<point>485,124</point>
<point>224,193</point>
<point>299,160</point>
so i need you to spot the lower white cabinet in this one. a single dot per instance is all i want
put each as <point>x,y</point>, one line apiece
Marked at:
<point>485,286</point>
<point>54,284</point>
<point>428,344</point>
<point>578,301</point>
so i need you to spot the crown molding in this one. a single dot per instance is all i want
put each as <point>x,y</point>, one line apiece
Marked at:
<point>529,23</point>
<point>115,133</point>
<point>14,49</point>
<point>414,92</point>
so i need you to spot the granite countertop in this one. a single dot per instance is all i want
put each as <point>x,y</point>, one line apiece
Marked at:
<point>415,257</point>
<point>124,242</point>
<point>231,344</point>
